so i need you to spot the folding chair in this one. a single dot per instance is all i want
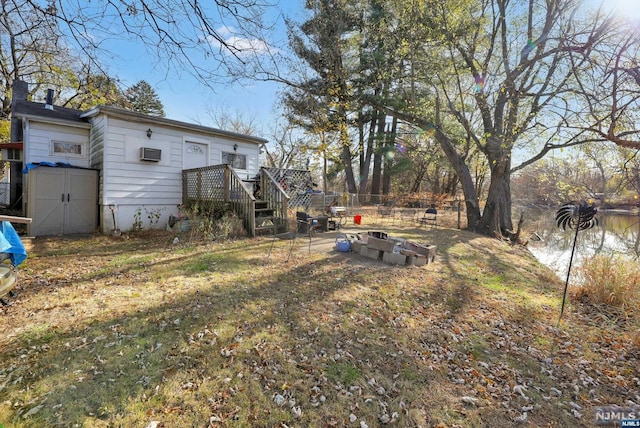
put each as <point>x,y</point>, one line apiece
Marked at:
<point>430,217</point>
<point>304,227</point>
<point>336,216</point>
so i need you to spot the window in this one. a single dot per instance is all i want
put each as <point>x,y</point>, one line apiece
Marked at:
<point>68,149</point>
<point>235,160</point>
<point>194,148</point>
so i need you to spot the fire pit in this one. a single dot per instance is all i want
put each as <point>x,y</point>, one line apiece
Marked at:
<point>379,245</point>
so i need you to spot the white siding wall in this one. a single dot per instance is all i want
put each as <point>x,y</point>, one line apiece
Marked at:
<point>149,192</point>
<point>250,150</point>
<point>96,153</point>
<point>39,138</point>
<point>96,159</point>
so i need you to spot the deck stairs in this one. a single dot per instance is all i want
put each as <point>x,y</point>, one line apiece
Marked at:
<point>266,221</point>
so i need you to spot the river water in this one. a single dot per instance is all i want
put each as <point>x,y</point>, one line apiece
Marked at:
<point>617,234</point>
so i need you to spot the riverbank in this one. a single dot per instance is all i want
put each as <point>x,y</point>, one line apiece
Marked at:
<point>138,331</point>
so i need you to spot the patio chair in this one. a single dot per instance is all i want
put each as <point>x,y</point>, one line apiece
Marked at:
<point>430,217</point>
<point>337,215</point>
<point>386,212</point>
<point>304,228</point>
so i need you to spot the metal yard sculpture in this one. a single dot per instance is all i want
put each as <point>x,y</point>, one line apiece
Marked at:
<point>576,216</point>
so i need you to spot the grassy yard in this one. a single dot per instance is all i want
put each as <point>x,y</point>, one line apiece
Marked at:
<point>140,332</point>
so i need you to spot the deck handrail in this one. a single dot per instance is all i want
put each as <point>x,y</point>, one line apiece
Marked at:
<point>222,189</point>
<point>273,193</point>
<point>242,199</point>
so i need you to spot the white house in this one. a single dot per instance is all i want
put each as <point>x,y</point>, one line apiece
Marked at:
<point>83,168</point>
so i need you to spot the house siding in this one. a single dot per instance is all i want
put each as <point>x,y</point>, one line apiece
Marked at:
<point>40,136</point>
<point>251,151</point>
<point>142,193</point>
<point>96,154</point>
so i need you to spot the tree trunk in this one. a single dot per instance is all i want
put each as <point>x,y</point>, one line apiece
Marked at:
<point>496,217</point>
<point>464,175</point>
<point>435,182</point>
<point>390,142</point>
<point>366,160</point>
<point>348,169</point>
<point>377,160</point>
<point>345,154</point>
<point>415,187</point>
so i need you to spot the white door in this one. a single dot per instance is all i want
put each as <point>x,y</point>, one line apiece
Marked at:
<point>196,155</point>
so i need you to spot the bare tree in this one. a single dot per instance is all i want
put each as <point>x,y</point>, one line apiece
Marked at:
<point>31,48</point>
<point>234,121</point>
<point>511,74</point>
<point>285,148</point>
<point>209,40</point>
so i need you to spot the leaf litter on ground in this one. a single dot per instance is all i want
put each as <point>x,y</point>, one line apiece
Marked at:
<point>142,331</point>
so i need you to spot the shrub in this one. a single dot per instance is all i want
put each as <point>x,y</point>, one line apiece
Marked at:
<point>211,221</point>
<point>609,280</point>
<point>229,226</point>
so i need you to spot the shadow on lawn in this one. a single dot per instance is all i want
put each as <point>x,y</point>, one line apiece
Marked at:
<point>318,321</point>
<point>96,369</point>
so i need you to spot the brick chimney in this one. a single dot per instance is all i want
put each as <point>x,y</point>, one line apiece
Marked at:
<point>20,92</point>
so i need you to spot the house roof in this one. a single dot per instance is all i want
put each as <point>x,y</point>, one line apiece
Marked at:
<point>28,109</point>
<point>31,110</point>
<point>134,116</point>
<point>17,145</point>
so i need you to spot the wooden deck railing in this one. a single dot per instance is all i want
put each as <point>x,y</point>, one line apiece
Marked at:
<point>218,188</point>
<point>274,195</point>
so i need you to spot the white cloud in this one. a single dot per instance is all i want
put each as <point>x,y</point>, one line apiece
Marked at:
<point>225,31</point>
<point>239,45</point>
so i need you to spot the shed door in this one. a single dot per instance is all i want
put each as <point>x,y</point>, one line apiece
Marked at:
<point>46,204</point>
<point>196,155</point>
<point>82,206</point>
<point>62,201</point>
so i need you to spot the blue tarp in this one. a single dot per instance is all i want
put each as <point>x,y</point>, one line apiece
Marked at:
<point>31,166</point>
<point>10,243</point>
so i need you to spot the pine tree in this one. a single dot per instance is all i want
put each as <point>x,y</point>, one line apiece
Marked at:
<point>144,99</point>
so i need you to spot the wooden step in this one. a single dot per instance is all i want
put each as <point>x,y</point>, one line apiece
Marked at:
<point>264,212</point>
<point>266,229</point>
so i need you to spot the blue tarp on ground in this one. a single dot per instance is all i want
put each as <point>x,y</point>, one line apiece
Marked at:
<point>10,243</point>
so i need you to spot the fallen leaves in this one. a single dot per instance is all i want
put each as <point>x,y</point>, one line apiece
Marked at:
<point>245,343</point>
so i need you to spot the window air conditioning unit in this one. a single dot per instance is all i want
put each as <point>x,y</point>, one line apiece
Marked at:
<point>149,154</point>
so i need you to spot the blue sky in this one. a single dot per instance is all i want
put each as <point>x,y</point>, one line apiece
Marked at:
<point>186,99</point>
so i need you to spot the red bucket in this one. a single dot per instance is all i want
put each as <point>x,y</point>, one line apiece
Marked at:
<point>357,219</point>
